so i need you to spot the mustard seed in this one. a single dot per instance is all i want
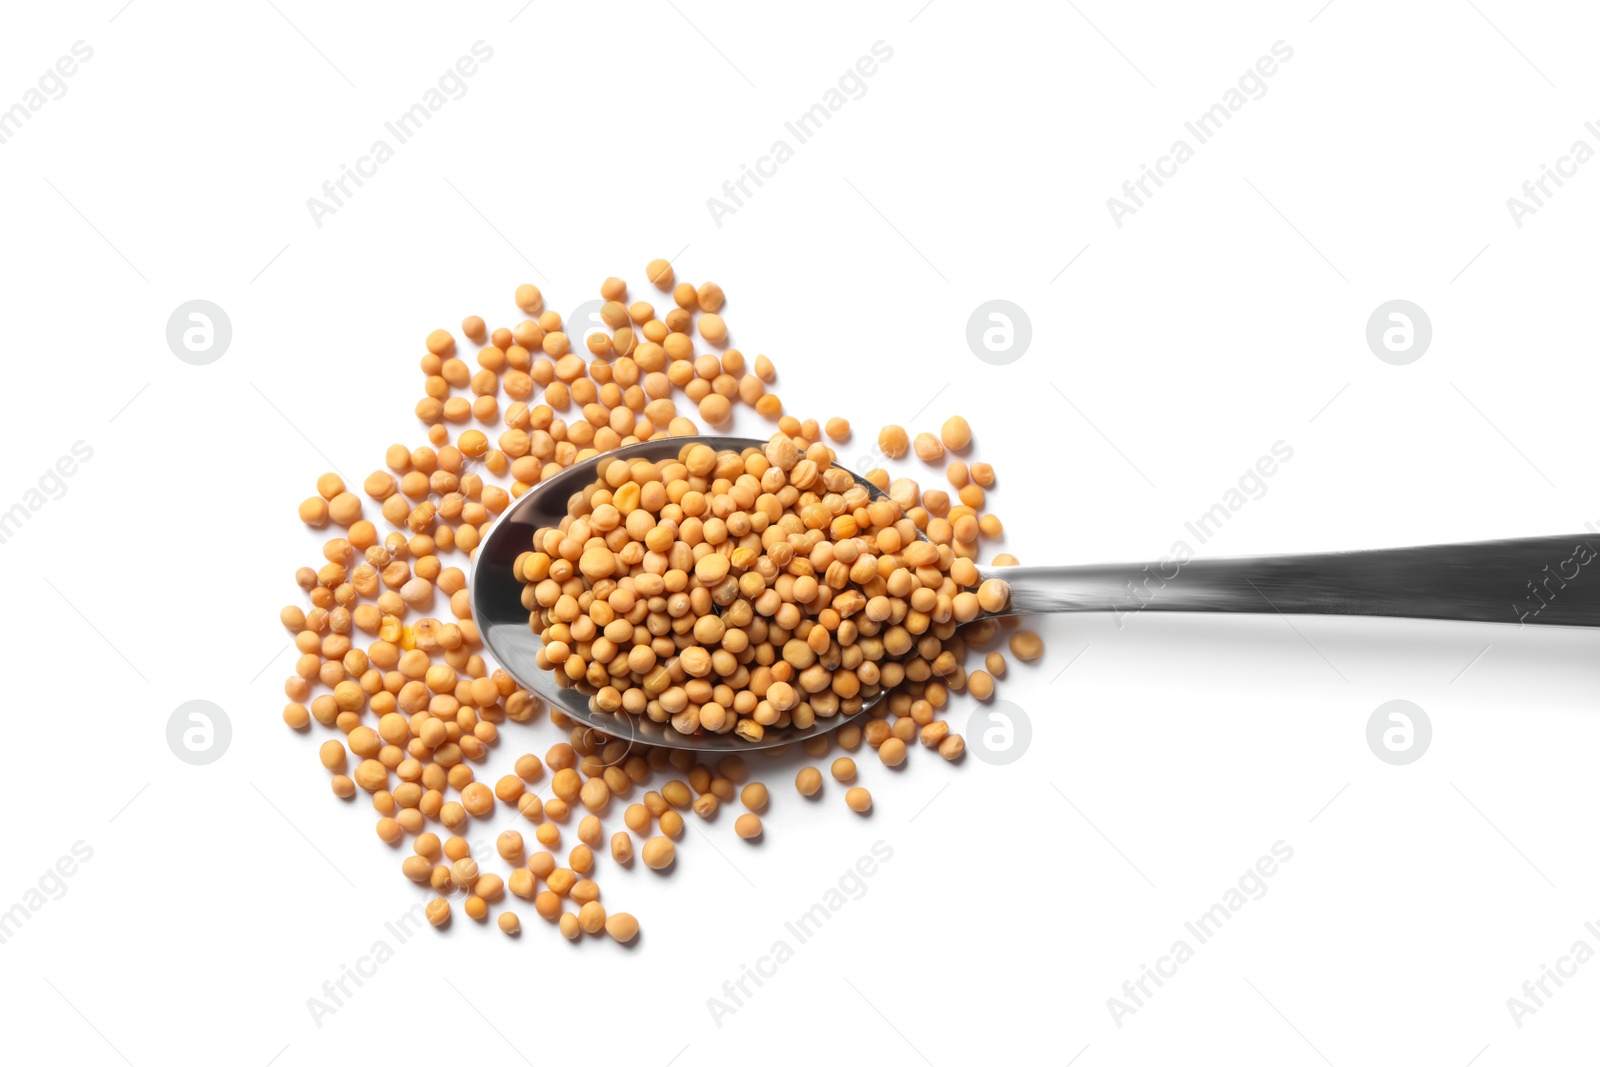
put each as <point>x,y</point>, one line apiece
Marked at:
<point>529,299</point>
<point>548,905</point>
<point>622,927</point>
<point>713,329</point>
<point>1026,645</point>
<point>464,872</point>
<point>658,853</point>
<point>528,767</point>
<point>417,868</point>
<point>955,433</point>
<point>621,848</point>
<point>709,296</point>
<point>671,824</point>
<point>332,755</point>
<point>892,441</point>
<point>993,595</point>
<point>314,511</point>
<point>561,880</point>
<point>344,508</point>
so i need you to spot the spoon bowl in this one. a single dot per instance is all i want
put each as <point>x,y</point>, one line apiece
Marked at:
<point>503,622</point>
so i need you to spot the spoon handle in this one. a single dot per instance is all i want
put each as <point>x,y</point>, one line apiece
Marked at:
<point>1547,580</point>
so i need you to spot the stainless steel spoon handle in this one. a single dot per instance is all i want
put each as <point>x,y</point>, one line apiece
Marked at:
<point>1546,580</point>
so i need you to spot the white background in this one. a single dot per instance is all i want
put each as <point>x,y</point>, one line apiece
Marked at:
<point>1227,314</point>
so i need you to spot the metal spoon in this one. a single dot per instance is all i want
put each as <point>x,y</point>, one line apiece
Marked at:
<point>1534,580</point>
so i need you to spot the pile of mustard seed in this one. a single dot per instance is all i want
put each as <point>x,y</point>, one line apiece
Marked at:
<point>720,592</point>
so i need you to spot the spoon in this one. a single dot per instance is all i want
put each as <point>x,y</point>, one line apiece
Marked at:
<point>1533,580</point>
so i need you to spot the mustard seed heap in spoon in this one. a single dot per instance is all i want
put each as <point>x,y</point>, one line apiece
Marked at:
<point>726,591</point>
